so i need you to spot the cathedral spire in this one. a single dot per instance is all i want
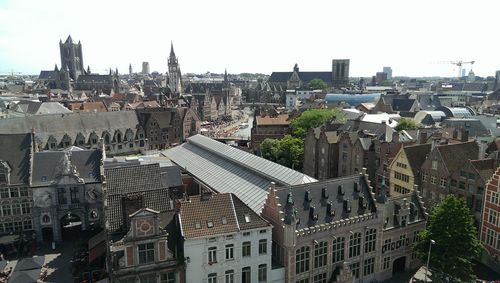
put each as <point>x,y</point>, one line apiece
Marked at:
<point>88,70</point>
<point>69,39</point>
<point>225,75</point>
<point>172,53</point>
<point>56,68</point>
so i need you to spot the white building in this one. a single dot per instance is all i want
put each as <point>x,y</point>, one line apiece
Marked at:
<point>291,100</point>
<point>225,241</point>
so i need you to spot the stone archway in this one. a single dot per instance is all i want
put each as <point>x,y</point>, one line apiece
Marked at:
<point>399,265</point>
<point>71,226</point>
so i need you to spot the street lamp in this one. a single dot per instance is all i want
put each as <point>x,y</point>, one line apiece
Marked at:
<point>428,259</point>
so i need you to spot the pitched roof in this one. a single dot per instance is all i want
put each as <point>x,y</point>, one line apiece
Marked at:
<point>228,169</point>
<point>125,180</point>
<point>281,119</point>
<point>47,165</point>
<point>16,150</point>
<point>283,77</point>
<point>484,167</point>
<point>416,155</point>
<point>454,155</point>
<point>312,199</point>
<point>216,214</point>
<point>402,104</point>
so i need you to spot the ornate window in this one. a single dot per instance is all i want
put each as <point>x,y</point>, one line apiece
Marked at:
<point>146,253</point>
<point>370,240</point>
<point>320,252</point>
<point>355,245</point>
<point>302,257</point>
<point>369,266</point>
<point>338,249</point>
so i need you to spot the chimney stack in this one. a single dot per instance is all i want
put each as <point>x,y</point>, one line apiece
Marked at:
<point>465,135</point>
<point>423,137</point>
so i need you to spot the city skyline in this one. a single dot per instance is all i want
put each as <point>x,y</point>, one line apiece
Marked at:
<point>262,37</point>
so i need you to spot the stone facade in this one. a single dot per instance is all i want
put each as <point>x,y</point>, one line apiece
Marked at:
<point>67,193</point>
<point>142,255</point>
<point>272,126</point>
<point>337,227</point>
<point>490,224</point>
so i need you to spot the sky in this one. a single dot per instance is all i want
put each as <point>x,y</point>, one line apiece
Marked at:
<point>414,37</point>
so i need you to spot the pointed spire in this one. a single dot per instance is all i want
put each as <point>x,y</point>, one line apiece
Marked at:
<point>88,70</point>
<point>289,210</point>
<point>116,71</point>
<point>225,75</point>
<point>110,71</point>
<point>172,49</point>
<point>69,39</point>
<point>56,68</point>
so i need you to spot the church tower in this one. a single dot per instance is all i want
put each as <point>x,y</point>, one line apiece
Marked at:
<point>174,72</point>
<point>71,57</point>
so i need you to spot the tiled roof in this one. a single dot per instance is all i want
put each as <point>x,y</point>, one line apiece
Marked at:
<point>122,181</point>
<point>15,149</point>
<point>228,169</point>
<point>216,214</point>
<point>454,155</point>
<point>416,155</point>
<point>281,119</point>
<point>485,168</point>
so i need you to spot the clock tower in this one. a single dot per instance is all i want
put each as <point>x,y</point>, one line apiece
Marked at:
<point>174,72</point>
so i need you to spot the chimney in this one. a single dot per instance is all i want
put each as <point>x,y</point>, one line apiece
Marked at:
<point>361,203</point>
<point>347,206</point>
<point>483,145</point>
<point>206,195</point>
<point>422,137</point>
<point>465,135</point>
<point>395,137</point>
<point>312,215</point>
<point>356,188</point>
<point>307,196</point>
<point>329,210</point>
<point>340,191</point>
<point>455,134</point>
<point>324,193</point>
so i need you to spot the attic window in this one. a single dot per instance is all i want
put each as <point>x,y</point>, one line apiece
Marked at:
<point>210,224</point>
<point>224,220</point>
<point>247,218</point>
<point>197,225</point>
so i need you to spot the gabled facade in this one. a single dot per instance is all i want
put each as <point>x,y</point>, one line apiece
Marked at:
<point>490,224</point>
<point>225,241</point>
<point>142,255</point>
<point>404,170</point>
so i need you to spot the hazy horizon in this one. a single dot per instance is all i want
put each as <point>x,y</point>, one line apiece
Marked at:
<point>260,37</point>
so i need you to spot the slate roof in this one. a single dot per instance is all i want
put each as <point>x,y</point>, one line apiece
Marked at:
<point>128,180</point>
<point>310,200</point>
<point>283,77</point>
<point>229,170</point>
<point>454,155</point>
<point>402,104</point>
<point>484,167</point>
<point>71,124</point>
<point>94,78</point>
<point>16,149</point>
<point>474,126</point>
<point>215,215</point>
<point>374,128</point>
<point>47,165</point>
<point>416,155</point>
<point>47,75</point>
<point>39,108</point>
<point>392,206</point>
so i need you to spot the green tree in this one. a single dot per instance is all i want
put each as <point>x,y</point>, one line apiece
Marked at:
<point>406,124</point>
<point>317,84</point>
<point>313,118</point>
<point>451,226</point>
<point>288,151</point>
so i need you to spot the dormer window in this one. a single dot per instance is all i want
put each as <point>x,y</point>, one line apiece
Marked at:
<point>247,218</point>
<point>224,221</point>
<point>197,225</point>
<point>210,224</point>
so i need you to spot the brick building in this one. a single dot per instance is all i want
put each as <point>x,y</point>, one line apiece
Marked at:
<point>490,224</point>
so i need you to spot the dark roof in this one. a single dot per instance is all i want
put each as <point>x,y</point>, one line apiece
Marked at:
<point>475,127</point>
<point>428,101</point>
<point>170,176</point>
<point>216,214</point>
<point>454,155</point>
<point>485,168</point>
<point>94,78</point>
<point>283,77</point>
<point>316,192</point>
<point>127,180</point>
<point>377,129</point>
<point>416,155</point>
<point>402,104</point>
<point>16,151</point>
<point>392,206</point>
<point>47,75</point>
<point>47,165</point>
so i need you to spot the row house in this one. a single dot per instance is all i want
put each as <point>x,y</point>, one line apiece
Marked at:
<point>268,126</point>
<point>225,241</point>
<point>141,241</point>
<point>490,224</point>
<point>166,127</point>
<point>337,231</point>
<point>15,194</point>
<point>404,169</point>
<point>441,166</point>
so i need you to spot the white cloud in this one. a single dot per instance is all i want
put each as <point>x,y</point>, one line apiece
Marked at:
<point>253,36</point>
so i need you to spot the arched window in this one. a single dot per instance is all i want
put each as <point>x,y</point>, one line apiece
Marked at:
<point>320,252</point>
<point>302,257</point>
<point>354,244</point>
<point>370,240</point>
